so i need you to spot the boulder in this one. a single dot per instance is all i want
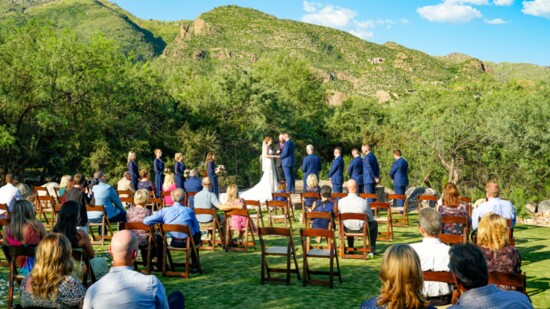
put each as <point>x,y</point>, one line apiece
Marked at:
<point>381,194</point>
<point>383,96</point>
<point>544,207</point>
<point>336,99</point>
<point>412,197</point>
<point>531,208</point>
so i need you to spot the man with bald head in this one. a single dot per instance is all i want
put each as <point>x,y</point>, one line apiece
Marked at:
<point>354,204</point>
<point>123,287</point>
<point>495,205</point>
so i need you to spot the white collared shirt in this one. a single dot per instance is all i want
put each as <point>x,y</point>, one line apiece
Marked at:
<point>9,194</point>
<point>434,256</point>
<point>495,205</point>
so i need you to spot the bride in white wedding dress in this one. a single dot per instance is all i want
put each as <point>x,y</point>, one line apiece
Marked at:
<point>268,184</point>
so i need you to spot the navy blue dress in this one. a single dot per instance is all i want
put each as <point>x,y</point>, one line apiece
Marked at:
<point>211,168</point>
<point>326,206</point>
<point>134,172</point>
<point>179,169</point>
<point>159,174</point>
<point>308,201</point>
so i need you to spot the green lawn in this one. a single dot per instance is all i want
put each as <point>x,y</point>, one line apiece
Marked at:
<point>233,279</point>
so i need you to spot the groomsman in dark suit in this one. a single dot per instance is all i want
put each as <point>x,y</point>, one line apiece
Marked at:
<point>311,164</point>
<point>278,164</point>
<point>399,173</point>
<point>355,169</point>
<point>371,171</point>
<point>336,173</point>
<point>287,160</point>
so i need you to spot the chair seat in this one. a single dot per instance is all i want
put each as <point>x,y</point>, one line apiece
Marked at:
<point>318,252</point>
<point>277,250</point>
<point>381,219</point>
<point>394,209</point>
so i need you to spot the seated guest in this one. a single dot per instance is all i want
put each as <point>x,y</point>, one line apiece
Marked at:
<point>402,281</point>
<point>50,283</point>
<point>451,206</point>
<point>281,188</point>
<point>495,205</point>
<point>9,193</point>
<point>123,287</point>
<point>105,195</point>
<point>492,238</point>
<point>323,205</point>
<point>67,220</point>
<point>125,183</point>
<point>168,186</point>
<point>178,214</point>
<point>206,200</point>
<point>234,202</point>
<point>469,268</point>
<point>24,230</point>
<point>354,204</point>
<point>65,182</point>
<point>77,193</point>
<point>192,184</point>
<point>312,186</point>
<point>145,183</point>
<point>434,256</point>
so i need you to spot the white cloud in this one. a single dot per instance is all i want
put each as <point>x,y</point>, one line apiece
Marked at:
<point>504,2</point>
<point>537,8</point>
<point>449,13</point>
<point>495,21</point>
<point>473,2</point>
<point>344,19</point>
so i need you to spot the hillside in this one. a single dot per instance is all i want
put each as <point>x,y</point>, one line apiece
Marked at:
<point>145,39</point>
<point>505,71</point>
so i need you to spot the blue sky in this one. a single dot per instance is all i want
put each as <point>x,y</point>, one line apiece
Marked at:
<point>495,30</point>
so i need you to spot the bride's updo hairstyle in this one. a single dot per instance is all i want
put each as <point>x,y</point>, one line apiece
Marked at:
<point>267,139</point>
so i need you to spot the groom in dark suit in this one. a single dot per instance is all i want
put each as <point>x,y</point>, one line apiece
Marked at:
<point>399,173</point>
<point>278,149</point>
<point>336,173</point>
<point>287,161</point>
<point>311,164</point>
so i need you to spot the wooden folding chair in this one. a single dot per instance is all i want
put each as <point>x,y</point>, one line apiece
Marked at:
<point>272,210</point>
<point>155,203</point>
<point>151,243</point>
<point>518,281</point>
<point>369,195</point>
<point>189,248</point>
<point>46,205</point>
<point>105,225</point>
<point>190,196</point>
<point>287,251</point>
<point>4,222</point>
<point>288,200</point>
<point>12,253</point>
<point>57,196</point>
<point>303,197</point>
<point>452,238</point>
<point>248,231</point>
<point>337,196</point>
<point>211,228</point>
<point>386,220</point>
<point>126,197</point>
<point>309,217</point>
<point>329,253</point>
<point>4,211</point>
<point>250,204</point>
<point>162,196</point>
<point>468,201</point>
<point>81,255</point>
<point>444,277</point>
<point>429,198</point>
<point>400,216</point>
<point>364,236</point>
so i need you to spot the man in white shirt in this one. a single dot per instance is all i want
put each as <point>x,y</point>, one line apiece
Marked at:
<point>9,193</point>
<point>495,205</point>
<point>434,256</point>
<point>354,204</point>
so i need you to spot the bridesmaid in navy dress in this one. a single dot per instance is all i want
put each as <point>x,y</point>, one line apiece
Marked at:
<point>159,170</point>
<point>133,168</point>
<point>179,169</point>
<point>211,168</point>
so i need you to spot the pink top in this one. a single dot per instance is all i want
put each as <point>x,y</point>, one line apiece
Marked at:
<point>168,199</point>
<point>32,238</point>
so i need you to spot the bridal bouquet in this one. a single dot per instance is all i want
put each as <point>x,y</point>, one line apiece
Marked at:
<point>186,173</point>
<point>220,170</point>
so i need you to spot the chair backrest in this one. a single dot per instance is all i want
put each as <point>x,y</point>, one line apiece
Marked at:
<point>314,195</point>
<point>99,208</point>
<point>41,191</point>
<point>274,231</point>
<point>316,233</point>
<point>276,204</point>
<point>337,195</point>
<point>5,210</point>
<point>189,194</point>
<point>280,194</point>
<point>203,211</point>
<point>165,193</point>
<point>368,195</point>
<point>237,212</point>
<point>137,226</point>
<point>395,197</point>
<point>439,276</point>
<point>452,238</point>
<point>252,203</point>
<point>380,205</point>
<point>432,198</point>
<point>464,199</point>
<point>318,215</point>
<point>124,192</point>
<point>519,281</point>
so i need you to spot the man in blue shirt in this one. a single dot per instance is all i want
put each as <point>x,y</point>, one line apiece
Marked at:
<point>495,205</point>
<point>399,174</point>
<point>125,288</point>
<point>336,173</point>
<point>106,196</point>
<point>178,214</point>
<point>192,184</point>
<point>311,164</point>
<point>469,267</point>
<point>355,170</point>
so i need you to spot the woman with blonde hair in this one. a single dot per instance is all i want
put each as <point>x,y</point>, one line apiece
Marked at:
<point>179,170</point>
<point>312,186</point>
<point>234,202</point>
<point>65,183</point>
<point>24,230</point>
<point>50,283</point>
<point>492,238</point>
<point>169,186</point>
<point>451,206</point>
<point>212,172</point>
<point>133,168</point>
<point>402,281</point>
<point>158,167</point>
